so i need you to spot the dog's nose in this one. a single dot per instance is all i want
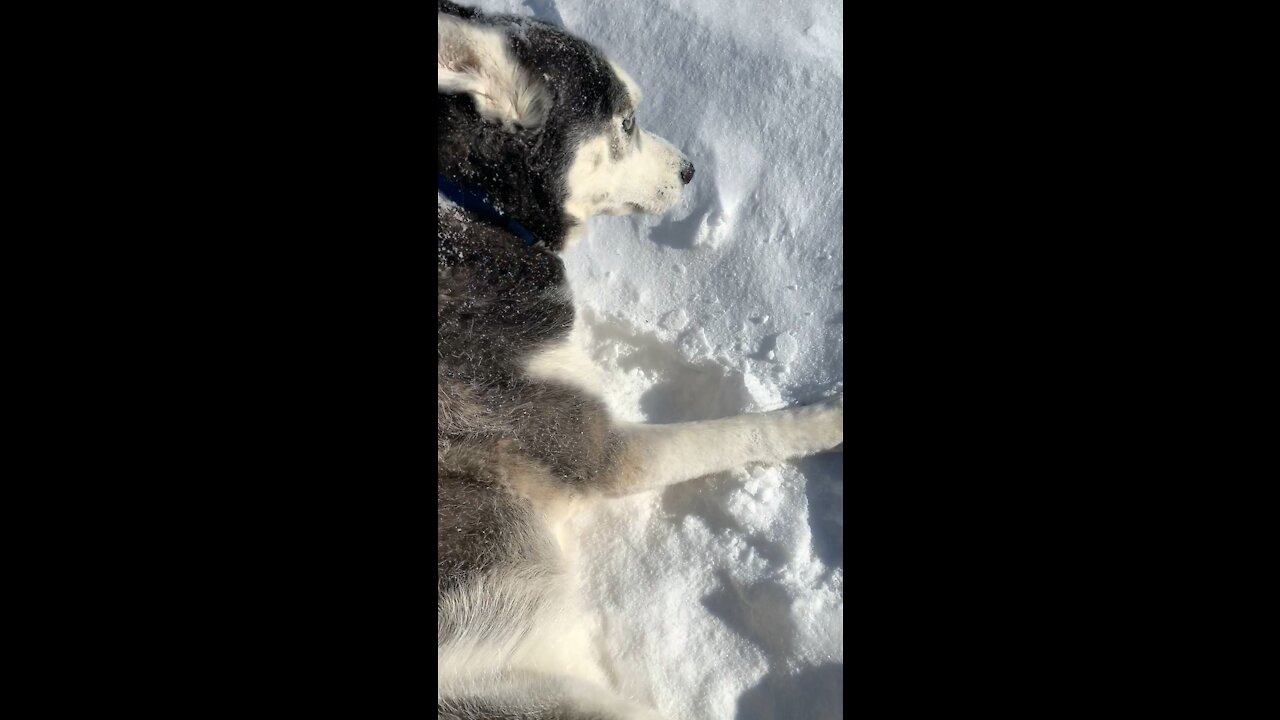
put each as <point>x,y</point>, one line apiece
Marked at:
<point>686,172</point>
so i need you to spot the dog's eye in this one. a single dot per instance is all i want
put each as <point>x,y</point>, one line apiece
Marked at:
<point>628,124</point>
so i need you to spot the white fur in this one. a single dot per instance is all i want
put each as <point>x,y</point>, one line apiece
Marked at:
<point>523,641</point>
<point>516,693</point>
<point>621,174</point>
<point>632,88</point>
<point>660,455</point>
<point>567,363</point>
<point>518,622</point>
<point>616,174</point>
<point>474,59</point>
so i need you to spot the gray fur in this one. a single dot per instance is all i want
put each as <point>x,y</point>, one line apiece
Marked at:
<point>509,448</point>
<point>524,170</point>
<point>518,450</point>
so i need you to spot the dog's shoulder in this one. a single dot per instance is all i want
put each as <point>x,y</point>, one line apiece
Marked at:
<point>499,299</point>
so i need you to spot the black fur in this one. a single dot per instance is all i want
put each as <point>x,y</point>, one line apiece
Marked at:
<point>452,8</point>
<point>499,302</point>
<point>523,171</point>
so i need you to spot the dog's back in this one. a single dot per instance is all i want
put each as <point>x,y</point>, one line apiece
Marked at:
<point>514,454</point>
<point>542,127</point>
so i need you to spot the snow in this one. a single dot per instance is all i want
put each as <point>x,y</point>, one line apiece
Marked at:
<point>721,598</point>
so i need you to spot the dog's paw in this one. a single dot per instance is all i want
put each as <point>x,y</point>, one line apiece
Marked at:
<point>828,423</point>
<point>812,428</point>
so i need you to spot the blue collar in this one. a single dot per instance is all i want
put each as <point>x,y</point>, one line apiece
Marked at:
<point>480,205</point>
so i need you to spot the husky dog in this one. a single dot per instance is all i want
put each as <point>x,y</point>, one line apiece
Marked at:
<point>537,133</point>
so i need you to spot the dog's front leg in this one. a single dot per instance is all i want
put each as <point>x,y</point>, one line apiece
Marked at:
<point>654,456</point>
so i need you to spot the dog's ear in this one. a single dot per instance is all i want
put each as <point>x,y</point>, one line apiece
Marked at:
<point>476,59</point>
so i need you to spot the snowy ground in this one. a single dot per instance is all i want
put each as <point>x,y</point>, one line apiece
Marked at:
<point>722,598</point>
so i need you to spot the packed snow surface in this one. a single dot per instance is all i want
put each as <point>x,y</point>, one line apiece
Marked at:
<point>722,597</point>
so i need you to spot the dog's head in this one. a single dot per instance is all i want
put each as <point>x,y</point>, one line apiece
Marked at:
<point>540,119</point>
